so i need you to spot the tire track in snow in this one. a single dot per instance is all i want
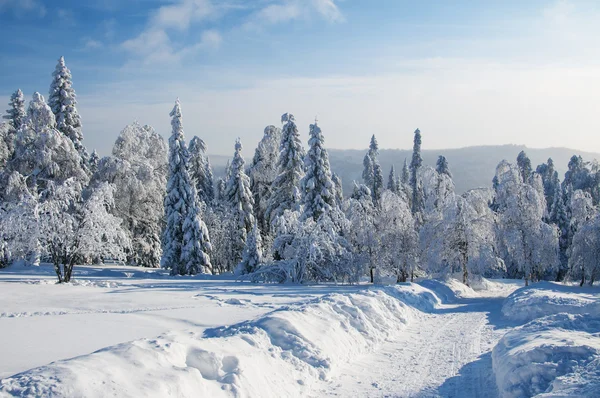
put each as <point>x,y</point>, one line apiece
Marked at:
<point>444,354</point>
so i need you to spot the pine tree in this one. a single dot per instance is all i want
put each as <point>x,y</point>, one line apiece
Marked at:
<point>201,170</point>
<point>185,240</point>
<point>16,113</point>
<point>239,197</point>
<point>392,184</point>
<point>442,166</point>
<point>63,102</point>
<point>416,163</point>
<point>252,256</point>
<point>286,192</point>
<point>318,189</point>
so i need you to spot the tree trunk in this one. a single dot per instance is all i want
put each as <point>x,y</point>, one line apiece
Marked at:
<point>582,279</point>
<point>371,271</point>
<point>58,273</point>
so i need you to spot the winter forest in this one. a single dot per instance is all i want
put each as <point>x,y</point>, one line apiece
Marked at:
<point>279,216</point>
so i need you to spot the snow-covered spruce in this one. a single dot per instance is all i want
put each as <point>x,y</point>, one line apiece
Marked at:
<point>415,164</point>
<point>372,173</point>
<point>286,186</point>
<point>185,241</point>
<point>239,197</point>
<point>252,257</point>
<point>201,170</point>
<point>63,102</point>
<point>262,173</point>
<point>318,189</point>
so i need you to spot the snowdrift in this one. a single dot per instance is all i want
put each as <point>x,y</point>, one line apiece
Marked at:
<point>279,354</point>
<point>555,356</point>
<point>548,298</point>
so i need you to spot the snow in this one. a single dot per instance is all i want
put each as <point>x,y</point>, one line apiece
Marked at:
<point>129,331</point>
<point>547,298</point>
<point>554,356</point>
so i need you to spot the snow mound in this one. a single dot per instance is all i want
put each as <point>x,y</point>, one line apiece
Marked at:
<point>548,298</point>
<point>554,356</point>
<point>450,290</point>
<point>279,354</point>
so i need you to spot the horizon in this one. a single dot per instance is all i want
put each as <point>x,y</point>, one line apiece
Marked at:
<point>473,75</point>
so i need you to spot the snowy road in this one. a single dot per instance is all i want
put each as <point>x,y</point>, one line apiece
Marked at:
<point>443,354</point>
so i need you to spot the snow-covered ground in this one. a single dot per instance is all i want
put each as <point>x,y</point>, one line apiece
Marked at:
<point>557,353</point>
<point>133,332</point>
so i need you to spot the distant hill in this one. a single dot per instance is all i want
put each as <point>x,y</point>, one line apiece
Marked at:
<point>472,167</point>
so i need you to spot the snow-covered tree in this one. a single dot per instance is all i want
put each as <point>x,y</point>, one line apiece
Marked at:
<point>524,165</point>
<point>339,191</point>
<point>138,169</point>
<point>286,186</point>
<point>372,173</point>
<point>185,240</point>
<point>252,257</point>
<point>71,227</point>
<point>584,261</point>
<point>415,165</point>
<point>239,197</point>
<point>15,117</point>
<point>405,176</point>
<point>94,161</point>
<point>399,249</point>
<point>201,170</point>
<point>528,245</point>
<point>262,173</point>
<point>317,187</point>
<point>392,184</point>
<point>442,167</point>
<point>63,102</point>
<point>362,234</point>
<point>15,114</point>
<point>43,154</point>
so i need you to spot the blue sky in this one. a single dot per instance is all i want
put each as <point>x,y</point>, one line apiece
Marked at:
<point>464,72</point>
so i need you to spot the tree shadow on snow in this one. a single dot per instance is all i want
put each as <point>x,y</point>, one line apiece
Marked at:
<point>474,380</point>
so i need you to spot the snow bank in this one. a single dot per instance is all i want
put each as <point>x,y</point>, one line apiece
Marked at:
<point>558,355</point>
<point>279,354</point>
<point>547,298</point>
<point>450,290</point>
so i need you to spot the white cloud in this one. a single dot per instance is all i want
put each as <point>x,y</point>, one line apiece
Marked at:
<point>289,10</point>
<point>154,44</point>
<point>91,44</point>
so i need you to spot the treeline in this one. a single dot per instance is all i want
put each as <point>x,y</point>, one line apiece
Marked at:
<point>282,217</point>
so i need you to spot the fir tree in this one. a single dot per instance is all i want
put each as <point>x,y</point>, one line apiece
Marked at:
<point>252,256</point>
<point>63,102</point>
<point>405,174</point>
<point>392,184</point>
<point>94,161</point>
<point>16,113</point>
<point>201,170</point>
<point>417,204</point>
<point>286,192</point>
<point>339,191</point>
<point>263,172</point>
<point>318,189</point>
<point>442,166</point>
<point>185,240</point>
<point>372,173</point>
<point>239,197</point>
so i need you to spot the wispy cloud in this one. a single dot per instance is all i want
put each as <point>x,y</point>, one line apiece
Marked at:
<point>23,8</point>
<point>154,43</point>
<point>289,10</point>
